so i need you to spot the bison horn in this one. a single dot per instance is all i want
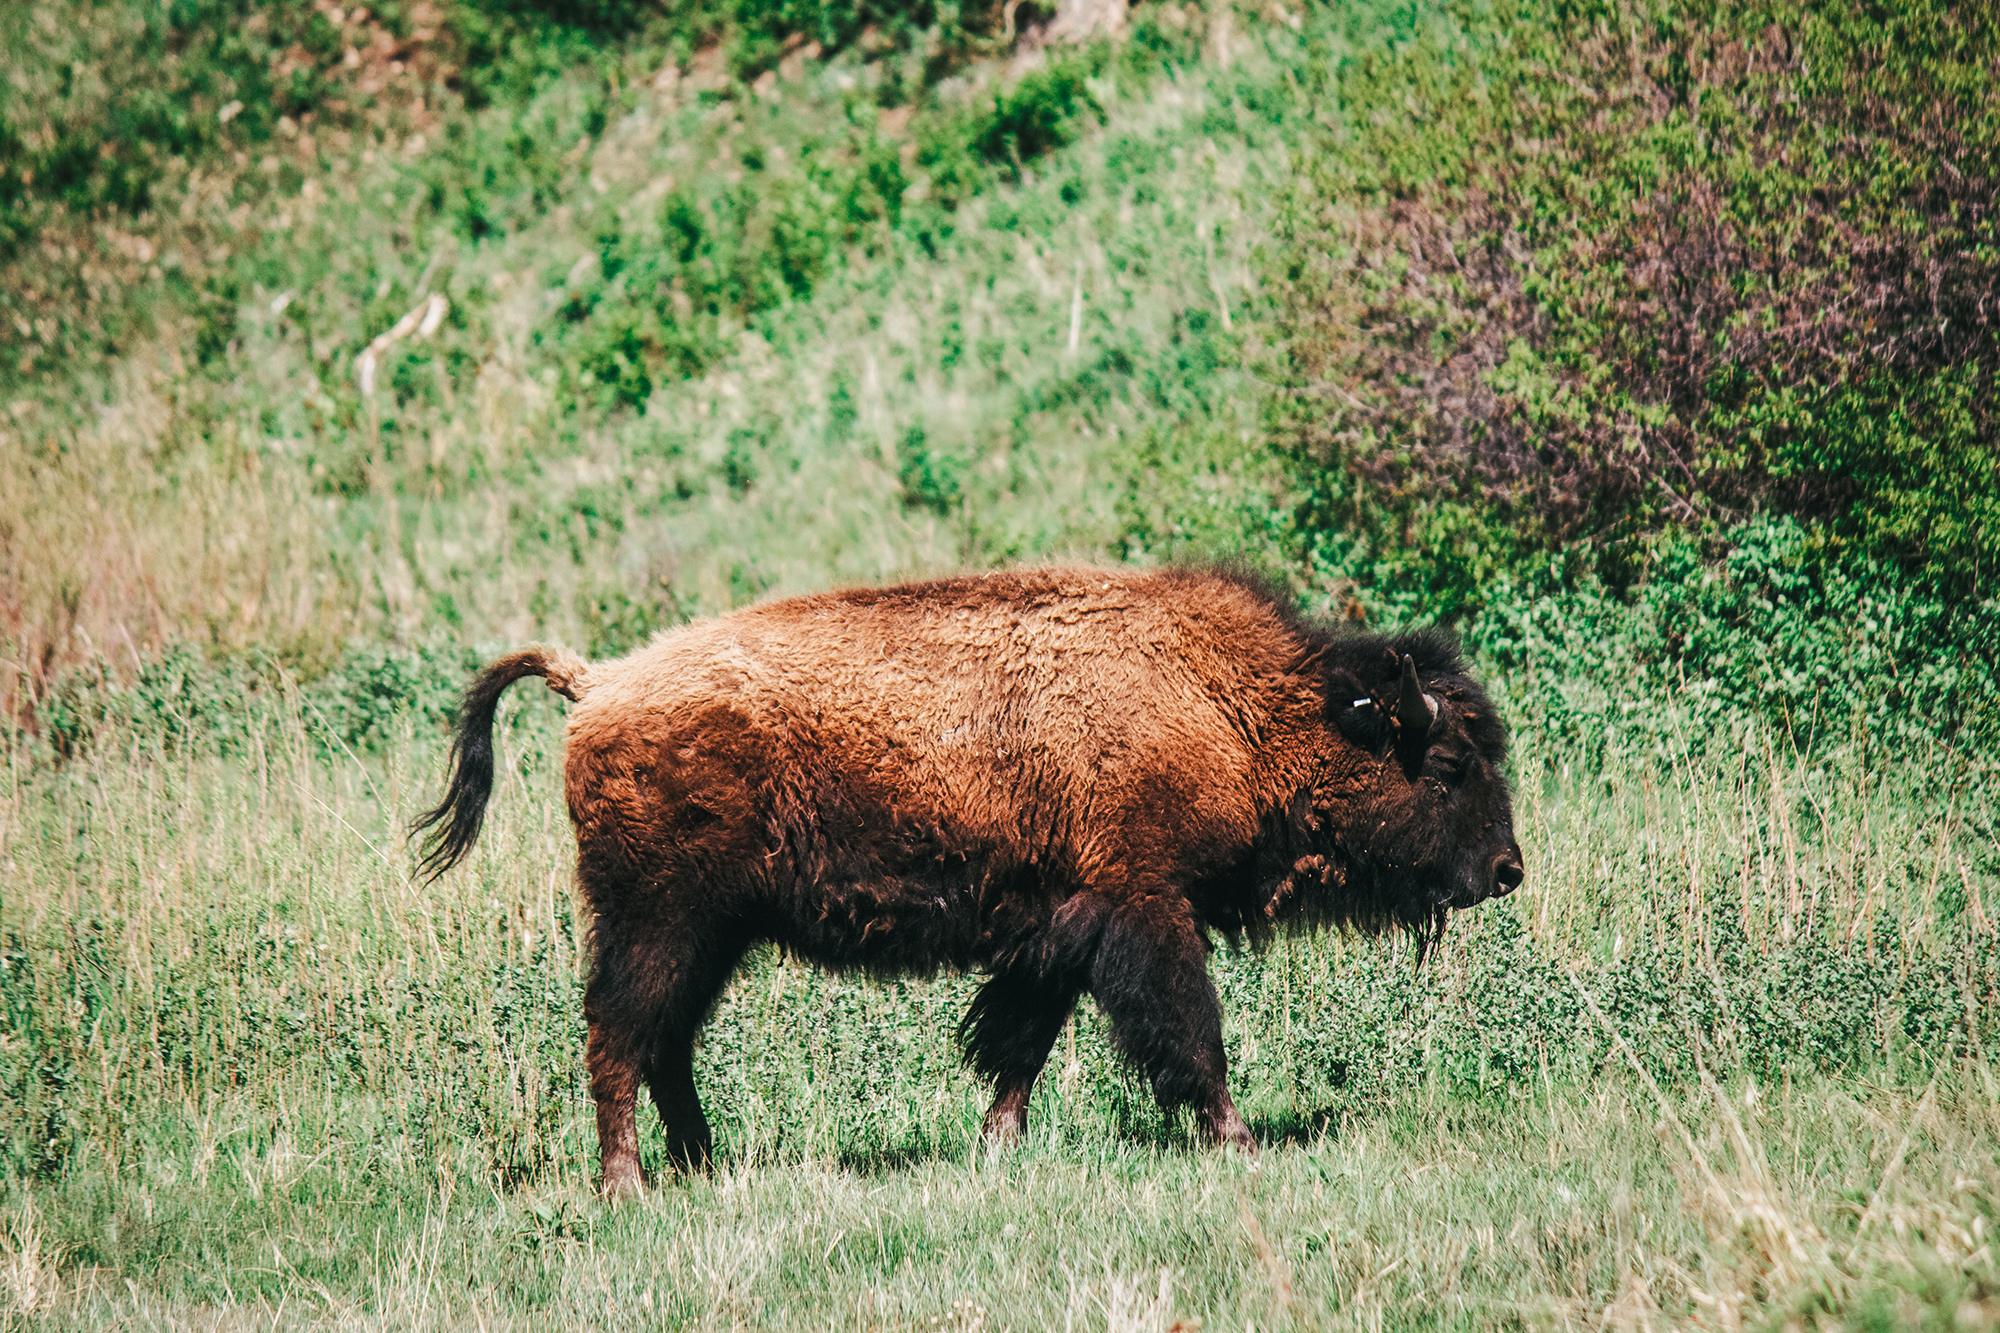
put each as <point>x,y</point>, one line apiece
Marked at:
<point>1415,710</point>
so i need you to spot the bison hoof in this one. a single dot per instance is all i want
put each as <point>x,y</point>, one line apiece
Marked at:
<point>1001,1132</point>
<point>622,1180</point>
<point>1007,1121</point>
<point>1229,1131</point>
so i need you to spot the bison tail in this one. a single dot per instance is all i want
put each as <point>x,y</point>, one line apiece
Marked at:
<point>454,824</point>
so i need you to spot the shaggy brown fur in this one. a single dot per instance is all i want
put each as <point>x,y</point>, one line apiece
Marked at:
<point>1065,778</point>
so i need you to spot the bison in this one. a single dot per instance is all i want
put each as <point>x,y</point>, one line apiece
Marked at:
<point>1067,779</point>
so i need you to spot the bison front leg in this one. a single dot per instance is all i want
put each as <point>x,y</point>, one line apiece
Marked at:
<point>1150,976</point>
<point>1008,1033</point>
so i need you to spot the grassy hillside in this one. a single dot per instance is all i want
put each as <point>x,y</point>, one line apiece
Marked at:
<point>701,341</point>
<point>1599,334</point>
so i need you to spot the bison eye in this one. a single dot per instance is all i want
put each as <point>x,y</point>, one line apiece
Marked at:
<point>1449,767</point>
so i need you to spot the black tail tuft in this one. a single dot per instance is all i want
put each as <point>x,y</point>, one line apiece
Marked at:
<point>454,824</point>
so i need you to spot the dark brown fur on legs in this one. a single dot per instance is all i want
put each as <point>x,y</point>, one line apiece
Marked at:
<point>614,1086</point>
<point>1007,1034</point>
<point>654,982</point>
<point>671,1079</point>
<point>619,1056</point>
<point>1151,978</point>
<point>1069,779</point>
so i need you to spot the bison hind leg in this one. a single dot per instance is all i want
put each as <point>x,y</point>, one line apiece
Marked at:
<point>1007,1034</point>
<point>653,985</point>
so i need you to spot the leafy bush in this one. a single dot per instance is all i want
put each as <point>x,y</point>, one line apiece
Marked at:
<point>1018,123</point>
<point>668,300</point>
<point>1834,651</point>
<point>177,698</point>
<point>930,478</point>
<point>667,297</point>
<point>1591,273</point>
<point>508,45</point>
<point>371,689</point>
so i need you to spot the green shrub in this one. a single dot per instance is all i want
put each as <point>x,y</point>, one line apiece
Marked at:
<point>373,689</point>
<point>510,45</point>
<point>179,698</point>
<point>1832,649</point>
<point>99,106</point>
<point>615,622</point>
<point>930,479</point>
<point>1019,122</point>
<point>1567,274</point>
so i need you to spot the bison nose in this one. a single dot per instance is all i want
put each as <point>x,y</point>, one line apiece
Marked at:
<point>1507,875</point>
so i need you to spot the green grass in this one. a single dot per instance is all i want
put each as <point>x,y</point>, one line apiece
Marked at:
<point>1430,1215</point>
<point>263,1075</point>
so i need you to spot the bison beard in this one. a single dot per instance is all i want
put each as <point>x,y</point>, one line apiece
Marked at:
<point>1066,779</point>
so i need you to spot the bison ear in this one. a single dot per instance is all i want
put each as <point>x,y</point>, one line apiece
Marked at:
<point>1415,710</point>
<point>1351,707</point>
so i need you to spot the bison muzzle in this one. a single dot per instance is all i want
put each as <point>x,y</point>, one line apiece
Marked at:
<point>1067,779</point>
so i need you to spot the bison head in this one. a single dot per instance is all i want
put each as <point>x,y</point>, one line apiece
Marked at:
<point>1416,810</point>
